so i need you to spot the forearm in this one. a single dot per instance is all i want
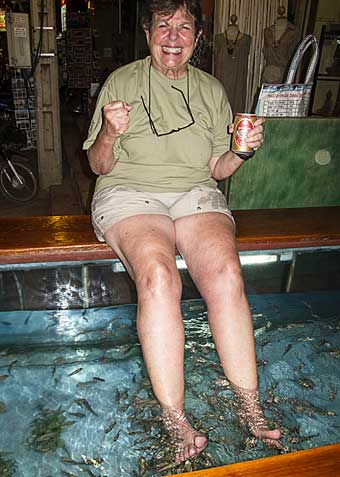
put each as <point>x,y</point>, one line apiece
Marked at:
<point>226,165</point>
<point>100,154</point>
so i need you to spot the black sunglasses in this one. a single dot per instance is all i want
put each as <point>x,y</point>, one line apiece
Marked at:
<point>186,101</point>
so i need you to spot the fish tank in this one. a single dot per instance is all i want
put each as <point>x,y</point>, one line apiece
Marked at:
<point>75,397</point>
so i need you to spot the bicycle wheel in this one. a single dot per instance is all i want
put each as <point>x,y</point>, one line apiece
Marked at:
<point>18,190</point>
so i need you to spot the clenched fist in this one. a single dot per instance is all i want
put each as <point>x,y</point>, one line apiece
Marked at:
<point>115,118</point>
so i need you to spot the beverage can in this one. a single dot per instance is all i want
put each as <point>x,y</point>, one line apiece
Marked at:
<point>243,123</point>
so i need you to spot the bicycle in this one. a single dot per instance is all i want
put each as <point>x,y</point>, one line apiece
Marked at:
<point>18,182</point>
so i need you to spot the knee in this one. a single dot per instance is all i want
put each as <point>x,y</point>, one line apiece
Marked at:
<point>227,277</point>
<point>159,277</point>
<point>235,279</point>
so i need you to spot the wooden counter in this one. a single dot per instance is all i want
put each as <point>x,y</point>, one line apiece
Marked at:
<point>65,238</point>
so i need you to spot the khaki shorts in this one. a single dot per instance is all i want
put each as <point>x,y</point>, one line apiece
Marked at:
<point>114,204</point>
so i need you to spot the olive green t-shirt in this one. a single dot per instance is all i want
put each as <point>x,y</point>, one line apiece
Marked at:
<point>174,162</point>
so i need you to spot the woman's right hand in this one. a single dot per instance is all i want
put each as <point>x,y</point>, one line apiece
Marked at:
<point>115,118</point>
<point>115,121</point>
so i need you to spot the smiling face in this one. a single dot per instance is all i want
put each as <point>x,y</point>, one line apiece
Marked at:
<point>171,41</point>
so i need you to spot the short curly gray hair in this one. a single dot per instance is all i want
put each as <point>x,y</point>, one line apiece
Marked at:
<point>169,7</point>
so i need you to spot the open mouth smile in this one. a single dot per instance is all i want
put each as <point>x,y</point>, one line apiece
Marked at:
<point>172,50</point>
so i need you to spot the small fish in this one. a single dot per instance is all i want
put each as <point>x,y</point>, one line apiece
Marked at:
<point>2,407</point>
<point>76,371</point>
<point>50,326</point>
<point>69,423</point>
<point>91,330</point>
<point>27,319</point>
<point>110,427</point>
<point>172,465</point>
<point>261,330</point>
<point>10,366</point>
<point>85,404</point>
<point>94,380</point>
<point>84,317</point>
<point>96,461</point>
<point>69,460</point>
<point>77,414</point>
<point>289,347</point>
<point>56,362</point>
<point>332,395</point>
<point>295,325</point>
<point>322,343</point>
<point>66,450</point>
<point>4,376</point>
<point>142,465</point>
<point>6,323</point>
<point>116,437</point>
<point>46,437</point>
<point>90,461</point>
<point>335,352</point>
<point>306,383</point>
<point>328,413</point>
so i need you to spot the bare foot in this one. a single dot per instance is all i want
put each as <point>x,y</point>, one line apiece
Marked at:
<point>188,443</point>
<point>251,414</point>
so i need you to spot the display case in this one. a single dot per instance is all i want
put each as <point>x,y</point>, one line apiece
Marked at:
<point>326,97</point>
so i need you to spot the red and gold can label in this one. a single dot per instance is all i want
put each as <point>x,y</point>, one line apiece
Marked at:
<point>242,125</point>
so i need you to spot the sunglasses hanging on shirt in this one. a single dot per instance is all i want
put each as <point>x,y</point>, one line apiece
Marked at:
<point>186,102</point>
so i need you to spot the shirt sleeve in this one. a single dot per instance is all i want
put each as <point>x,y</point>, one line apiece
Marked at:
<point>106,96</point>
<point>221,140</point>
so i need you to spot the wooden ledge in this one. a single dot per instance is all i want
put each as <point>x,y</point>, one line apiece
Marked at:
<point>71,238</point>
<point>320,462</point>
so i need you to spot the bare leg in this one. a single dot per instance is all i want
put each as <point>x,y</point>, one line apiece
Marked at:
<point>146,245</point>
<point>208,246</point>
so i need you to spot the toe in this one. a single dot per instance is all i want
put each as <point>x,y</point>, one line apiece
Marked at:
<point>192,451</point>
<point>200,442</point>
<point>273,443</point>
<point>274,434</point>
<point>180,457</point>
<point>270,437</point>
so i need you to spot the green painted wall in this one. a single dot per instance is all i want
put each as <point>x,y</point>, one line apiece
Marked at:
<point>286,171</point>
